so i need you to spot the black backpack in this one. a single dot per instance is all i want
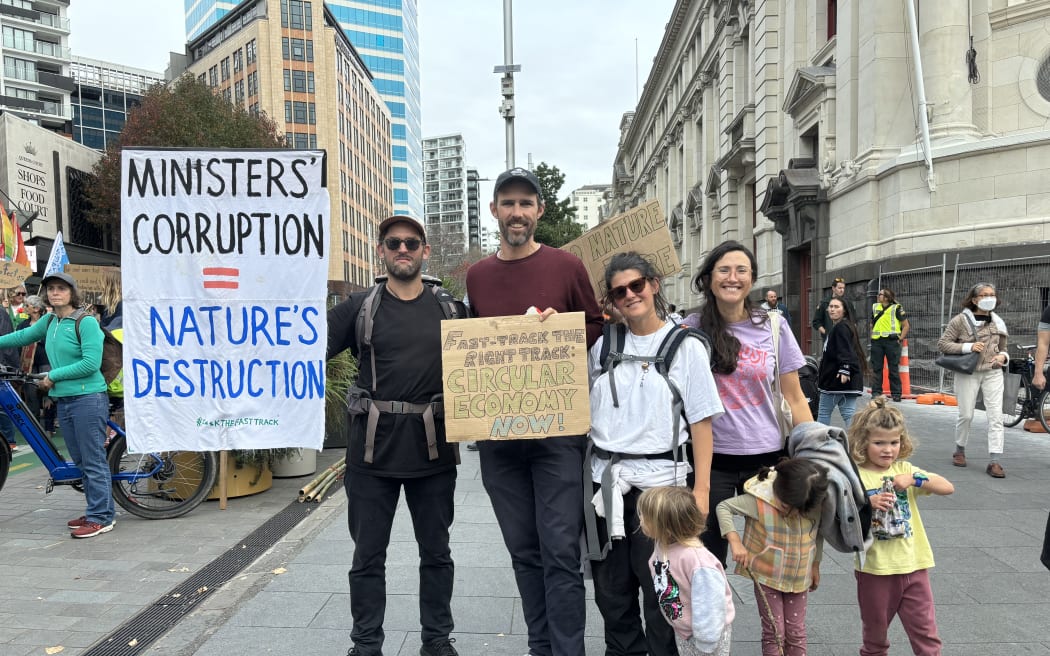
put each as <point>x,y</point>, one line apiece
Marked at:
<point>359,401</point>
<point>614,339</point>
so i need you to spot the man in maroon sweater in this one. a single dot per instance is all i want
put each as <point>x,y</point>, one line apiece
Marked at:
<point>535,485</point>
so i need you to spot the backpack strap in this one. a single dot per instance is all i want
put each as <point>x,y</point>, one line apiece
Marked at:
<point>365,321</point>
<point>614,340</point>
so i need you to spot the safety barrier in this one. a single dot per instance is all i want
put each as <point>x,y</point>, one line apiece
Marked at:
<point>932,295</point>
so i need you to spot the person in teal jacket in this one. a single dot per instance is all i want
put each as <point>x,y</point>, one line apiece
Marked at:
<point>78,388</point>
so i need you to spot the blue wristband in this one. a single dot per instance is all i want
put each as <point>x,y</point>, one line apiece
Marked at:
<point>920,479</point>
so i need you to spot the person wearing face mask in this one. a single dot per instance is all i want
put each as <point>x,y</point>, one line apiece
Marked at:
<point>977,329</point>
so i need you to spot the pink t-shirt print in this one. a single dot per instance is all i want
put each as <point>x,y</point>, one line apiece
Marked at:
<point>744,388</point>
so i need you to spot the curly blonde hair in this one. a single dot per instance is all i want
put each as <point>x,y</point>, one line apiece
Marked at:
<point>878,414</point>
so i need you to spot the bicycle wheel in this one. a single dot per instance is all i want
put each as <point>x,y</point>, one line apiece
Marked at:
<point>1019,409</point>
<point>1042,408</point>
<point>5,463</point>
<point>176,483</point>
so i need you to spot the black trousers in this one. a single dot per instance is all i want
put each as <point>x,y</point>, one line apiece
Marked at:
<point>372,501</point>
<point>724,485</point>
<point>890,349</point>
<point>537,493</point>
<point>616,583</point>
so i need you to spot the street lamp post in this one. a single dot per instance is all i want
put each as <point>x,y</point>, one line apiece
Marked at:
<point>508,69</point>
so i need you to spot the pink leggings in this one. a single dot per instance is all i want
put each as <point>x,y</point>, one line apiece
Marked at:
<point>788,621</point>
<point>908,596</point>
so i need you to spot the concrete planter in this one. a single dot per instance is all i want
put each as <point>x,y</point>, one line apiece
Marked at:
<point>301,462</point>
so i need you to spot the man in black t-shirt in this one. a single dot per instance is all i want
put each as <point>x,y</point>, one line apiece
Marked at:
<point>1042,346</point>
<point>404,363</point>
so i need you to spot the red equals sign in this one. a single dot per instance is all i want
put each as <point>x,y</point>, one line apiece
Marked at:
<point>219,277</point>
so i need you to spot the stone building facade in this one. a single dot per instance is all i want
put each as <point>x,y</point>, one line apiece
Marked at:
<point>795,127</point>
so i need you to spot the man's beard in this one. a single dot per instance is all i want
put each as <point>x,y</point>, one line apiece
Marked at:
<point>525,237</point>
<point>403,273</point>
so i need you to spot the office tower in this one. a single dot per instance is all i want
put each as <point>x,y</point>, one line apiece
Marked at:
<point>385,34</point>
<point>103,94</point>
<point>292,60</point>
<point>36,82</point>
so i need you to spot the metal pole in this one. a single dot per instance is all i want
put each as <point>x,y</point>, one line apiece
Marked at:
<point>920,90</point>
<point>507,83</point>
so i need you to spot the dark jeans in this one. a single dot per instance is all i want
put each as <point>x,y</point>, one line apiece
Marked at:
<point>536,491</point>
<point>372,501</point>
<point>616,583</point>
<point>725,484</point>
<point>890,349</point>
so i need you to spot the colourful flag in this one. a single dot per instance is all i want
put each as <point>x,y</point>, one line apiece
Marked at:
<point>21,257</point>
<point>58,260</point>
<point>7,232</point>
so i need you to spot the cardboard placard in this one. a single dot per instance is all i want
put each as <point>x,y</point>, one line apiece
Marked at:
<point>515,377</point>
<point>643,229</point>
<point>91,278</point>
<point>13,274</point>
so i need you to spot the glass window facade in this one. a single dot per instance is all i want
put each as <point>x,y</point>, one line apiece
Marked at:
<point>384,32</point>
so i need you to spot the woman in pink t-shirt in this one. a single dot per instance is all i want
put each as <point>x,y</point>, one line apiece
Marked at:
<point>748,435</point>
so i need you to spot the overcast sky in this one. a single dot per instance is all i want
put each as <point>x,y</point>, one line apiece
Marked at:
<point>577,79</point>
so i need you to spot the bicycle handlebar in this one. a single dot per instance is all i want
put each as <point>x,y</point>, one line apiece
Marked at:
<point>7,373</point>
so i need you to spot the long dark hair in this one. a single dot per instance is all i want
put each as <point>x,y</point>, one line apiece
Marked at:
<point>854,338</point>
<point>634,260</point>
<point>725,347</point>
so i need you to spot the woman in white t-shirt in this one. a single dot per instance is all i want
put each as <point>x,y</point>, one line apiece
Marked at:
<point>633,431</point>
<point>748,435</point>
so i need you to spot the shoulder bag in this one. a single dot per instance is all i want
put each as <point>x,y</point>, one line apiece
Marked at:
<point>783,408</point>
<point>960,363</point>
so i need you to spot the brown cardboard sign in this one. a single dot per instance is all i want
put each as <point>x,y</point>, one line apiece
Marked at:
<point>642,229</point>
<point>13,274</point>
<point>515,377</point>
<point>91,279</point>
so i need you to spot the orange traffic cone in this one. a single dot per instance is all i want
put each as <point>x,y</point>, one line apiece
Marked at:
<point>903,370</point>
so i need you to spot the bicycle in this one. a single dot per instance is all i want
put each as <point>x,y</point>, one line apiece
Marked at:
<point>1032,402</point>
<point>150,485</point>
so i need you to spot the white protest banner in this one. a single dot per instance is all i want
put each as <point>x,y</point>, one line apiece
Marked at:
<point>515,377</point>
<point>642,229</point>
<point>224,264</point>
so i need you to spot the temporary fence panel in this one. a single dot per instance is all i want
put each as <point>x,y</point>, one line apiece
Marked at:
<point>933,295</point>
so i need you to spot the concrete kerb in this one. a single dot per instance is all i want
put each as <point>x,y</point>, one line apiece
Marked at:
<point>186,637</point>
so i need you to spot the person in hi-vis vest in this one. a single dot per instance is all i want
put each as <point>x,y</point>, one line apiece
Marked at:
<point>889,328</point>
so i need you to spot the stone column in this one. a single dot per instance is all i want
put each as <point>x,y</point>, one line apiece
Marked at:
<point>944,40</point>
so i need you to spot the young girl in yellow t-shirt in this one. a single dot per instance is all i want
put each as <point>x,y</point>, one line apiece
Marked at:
<point>894,579</point>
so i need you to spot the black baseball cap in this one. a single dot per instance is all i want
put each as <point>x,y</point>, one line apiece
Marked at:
<point>518,173</point>
<point>401,218</point>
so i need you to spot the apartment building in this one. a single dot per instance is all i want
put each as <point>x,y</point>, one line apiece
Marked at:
<point>36,82</point>
<point>445,194</point>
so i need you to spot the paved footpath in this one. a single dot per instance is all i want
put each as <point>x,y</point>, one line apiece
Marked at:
<point>993,595</point>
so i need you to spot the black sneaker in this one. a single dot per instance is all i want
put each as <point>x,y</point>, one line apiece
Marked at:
<point>442,647</point>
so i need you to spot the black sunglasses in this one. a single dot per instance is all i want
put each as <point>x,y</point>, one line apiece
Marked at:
<point>394,243</point>
<point>636,286</point>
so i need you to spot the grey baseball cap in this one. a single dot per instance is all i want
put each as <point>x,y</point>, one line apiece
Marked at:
<point>62,276</point>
